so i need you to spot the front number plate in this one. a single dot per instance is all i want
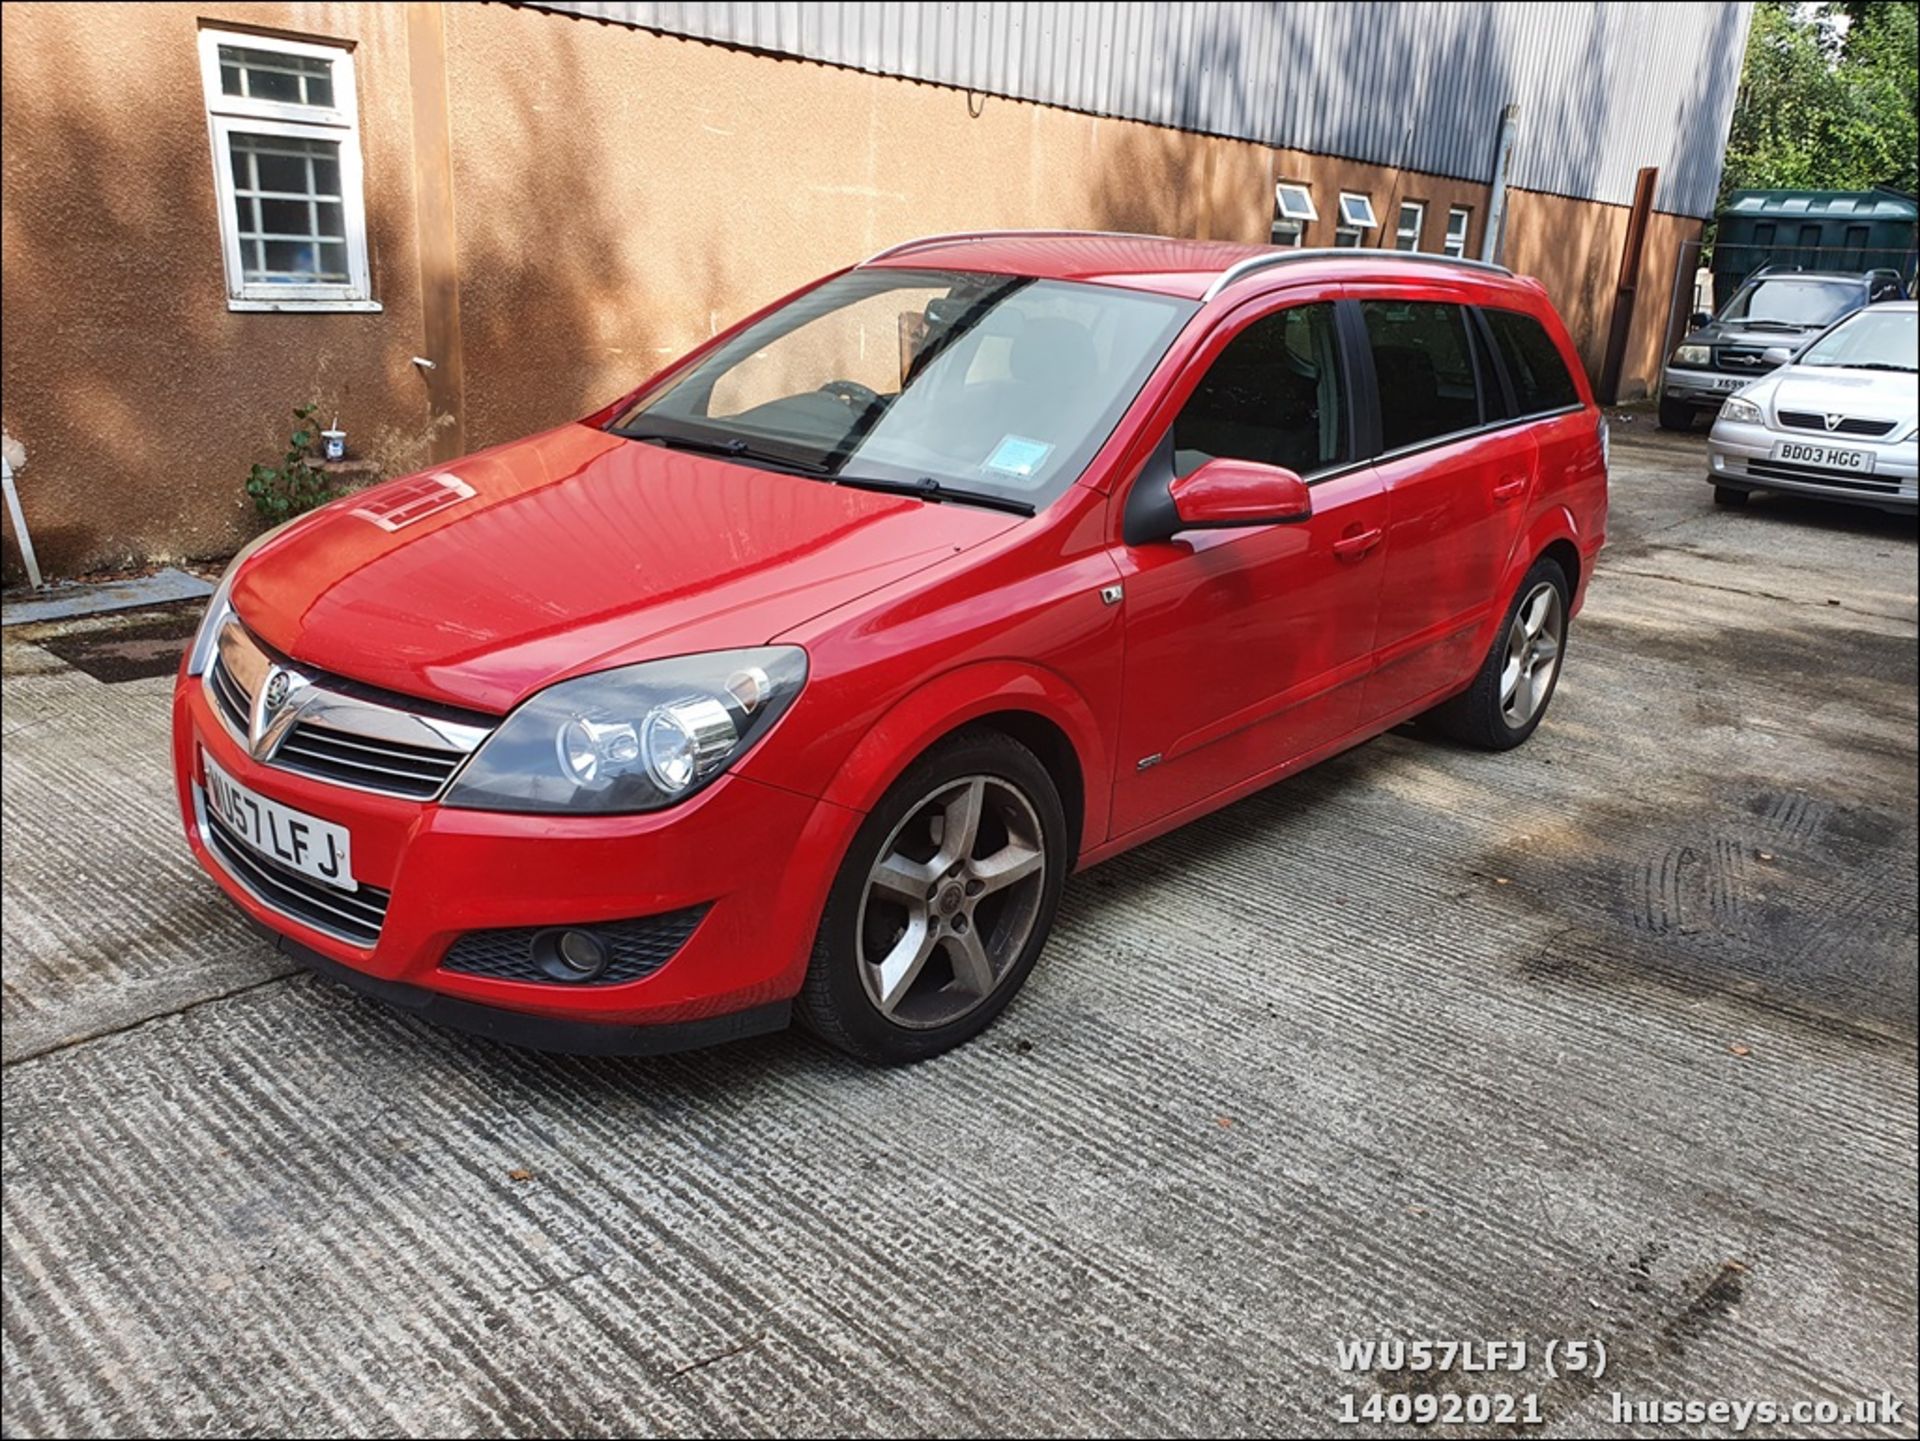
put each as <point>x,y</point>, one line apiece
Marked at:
<point>1727,382</point>
<point>295,839</point>
<point>1828,457</point>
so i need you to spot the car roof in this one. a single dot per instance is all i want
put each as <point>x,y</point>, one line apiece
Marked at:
<point>1190,269</point>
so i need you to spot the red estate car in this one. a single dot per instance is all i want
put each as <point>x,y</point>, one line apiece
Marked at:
<point>798,680</point>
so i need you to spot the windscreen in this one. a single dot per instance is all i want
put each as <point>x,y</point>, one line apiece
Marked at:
<point>994,383</point>
<point>1791,301</point>
<point>1871,340</point>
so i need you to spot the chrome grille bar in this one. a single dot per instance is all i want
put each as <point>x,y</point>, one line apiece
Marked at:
<point>337,730</point>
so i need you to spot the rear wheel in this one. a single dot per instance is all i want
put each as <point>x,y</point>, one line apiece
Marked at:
<point>942,904</point>
<point>1509,694</point>
<point>1675,414</point>
<point>1731,495</point>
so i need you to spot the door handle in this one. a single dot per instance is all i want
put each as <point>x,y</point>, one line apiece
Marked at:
<point>1510,487</point>
<point>1352,547</point>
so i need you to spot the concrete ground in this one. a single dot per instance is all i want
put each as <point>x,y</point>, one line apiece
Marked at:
<point>1613,1037</point>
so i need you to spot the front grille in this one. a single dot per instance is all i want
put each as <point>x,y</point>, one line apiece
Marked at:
<point>228,695</point>
<point>376,764</point>
<point>1816,475</point>
<point>1741,360</point>
<point>1849,425</point>
<point>336,729</point>
<point>354,916</point>
<point>638,947</point>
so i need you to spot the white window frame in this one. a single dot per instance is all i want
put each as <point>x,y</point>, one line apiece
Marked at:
<point>339,123</point>
<point>1456,244</point>
<point>1403,238</point>
<point>1294,201</point>
<point>1356,218</point>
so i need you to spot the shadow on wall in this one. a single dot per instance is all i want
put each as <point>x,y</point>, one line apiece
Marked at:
<point>141,399</point>
<point>568,297</point>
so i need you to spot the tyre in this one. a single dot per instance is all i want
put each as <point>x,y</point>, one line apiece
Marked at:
<point>1509,693</point>
<point>1731,495</point>
<point>1675,414</point>
<point>942,904</point>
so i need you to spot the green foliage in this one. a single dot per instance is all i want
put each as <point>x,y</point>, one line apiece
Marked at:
<point>1828,98</point>
<point>296,484</point>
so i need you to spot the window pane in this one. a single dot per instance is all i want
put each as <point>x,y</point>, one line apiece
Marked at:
<point>304,262</point>
<point>1539,375</point>
<point>1424,362</point>
<point>1295,202</point>
<point>292,230</point>
<point>1407,235</point>
<point>271,75</point>
<point>284,217</point>
<point>1346,239</point>
<point>1273,396</point>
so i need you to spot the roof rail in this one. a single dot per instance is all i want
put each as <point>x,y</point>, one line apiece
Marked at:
<point>958,236</point>
<point>1240,269</point>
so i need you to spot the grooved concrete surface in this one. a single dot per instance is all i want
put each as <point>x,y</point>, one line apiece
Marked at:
<point>1611,1037</point>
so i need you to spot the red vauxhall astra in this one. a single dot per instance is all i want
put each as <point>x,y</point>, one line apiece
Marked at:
<point>796,682</point>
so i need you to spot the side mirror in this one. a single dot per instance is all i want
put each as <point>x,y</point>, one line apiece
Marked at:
<point>1777,355</point>
<point>1225,493</point>
<point>1698,319</point>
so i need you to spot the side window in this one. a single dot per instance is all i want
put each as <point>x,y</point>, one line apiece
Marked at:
<point>1423,359</point>
<point>1539,375</point>
<point>1274,395</point>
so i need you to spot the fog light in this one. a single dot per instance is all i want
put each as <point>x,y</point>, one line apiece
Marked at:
<point>570,955</point>
<point>1719,462</point>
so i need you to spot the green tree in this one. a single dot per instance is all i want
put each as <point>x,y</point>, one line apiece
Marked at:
<point>1828,98</point>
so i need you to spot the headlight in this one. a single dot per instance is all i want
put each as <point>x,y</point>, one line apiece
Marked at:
<point>1693,355</point>
<point>1744,411</point>
<point>635,739</point>
<point>208,636</point>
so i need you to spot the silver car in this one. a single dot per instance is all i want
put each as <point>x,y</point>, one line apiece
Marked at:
<point>1837,421</point>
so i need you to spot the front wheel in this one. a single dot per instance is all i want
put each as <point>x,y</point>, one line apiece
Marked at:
<point>1675,414</point>
<point>942,904</point>
<point>1509,694</point>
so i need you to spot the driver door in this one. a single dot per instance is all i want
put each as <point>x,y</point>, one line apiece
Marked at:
<point>1246,649</point>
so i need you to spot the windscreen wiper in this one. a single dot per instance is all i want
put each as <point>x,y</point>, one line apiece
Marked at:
<point>731,447</point>
<point>927,488</point>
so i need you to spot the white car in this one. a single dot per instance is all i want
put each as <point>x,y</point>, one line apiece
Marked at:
<point>1839,420</point>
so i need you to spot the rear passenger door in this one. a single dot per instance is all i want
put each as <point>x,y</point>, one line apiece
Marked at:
<point>1457,476</point>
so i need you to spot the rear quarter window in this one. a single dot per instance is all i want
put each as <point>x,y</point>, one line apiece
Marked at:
<point>1539,375</point>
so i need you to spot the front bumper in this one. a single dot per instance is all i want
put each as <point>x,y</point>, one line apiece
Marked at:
<point>1740,455</point>
<point>758,857</point>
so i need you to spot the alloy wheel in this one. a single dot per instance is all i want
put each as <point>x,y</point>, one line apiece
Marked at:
<point>951,902</point>
<point>1533,654</point>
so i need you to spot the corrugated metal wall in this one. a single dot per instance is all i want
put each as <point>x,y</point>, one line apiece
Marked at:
<point>1603,88</point>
